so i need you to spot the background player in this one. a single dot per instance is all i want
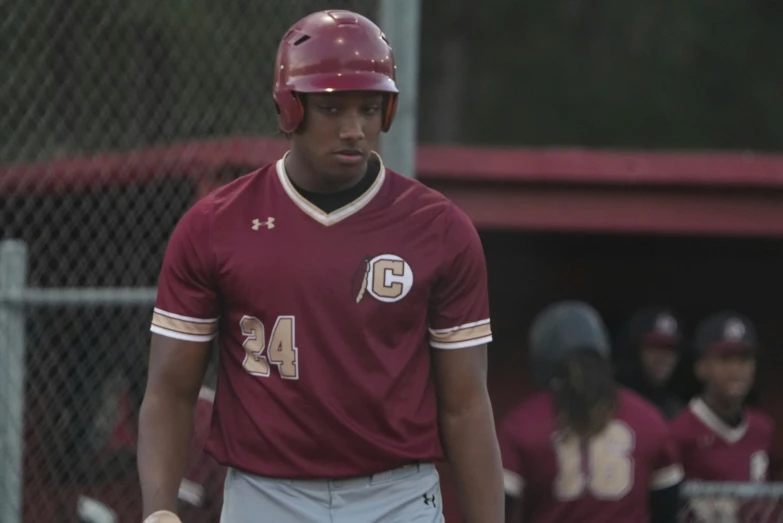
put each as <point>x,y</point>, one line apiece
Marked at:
<point>582,449</point>
<point>351,309</point>
<point>652,342</point>
<point>719,439</point>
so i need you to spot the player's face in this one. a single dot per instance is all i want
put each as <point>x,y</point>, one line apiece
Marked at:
<point>658,363</point>
<point>728,375</point>
<point>340,132</point>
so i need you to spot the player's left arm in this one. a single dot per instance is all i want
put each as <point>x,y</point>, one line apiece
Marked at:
<point>514,461</point>
<point>775,452</point>
<point>665,505</point>
<point>459,333</point>
<point>468,432</point>
<point>667,476</point>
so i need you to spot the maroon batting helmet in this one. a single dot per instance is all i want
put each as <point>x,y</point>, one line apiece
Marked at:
<point>332,51</point>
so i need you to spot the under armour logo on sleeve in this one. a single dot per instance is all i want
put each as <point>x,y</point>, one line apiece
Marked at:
<point>429,499</point>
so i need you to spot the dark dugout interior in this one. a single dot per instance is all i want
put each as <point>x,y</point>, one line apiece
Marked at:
<point>619,274</point>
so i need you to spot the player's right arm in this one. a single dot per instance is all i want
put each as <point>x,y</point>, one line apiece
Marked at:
<point>176,371</point>
<point>184,323</point>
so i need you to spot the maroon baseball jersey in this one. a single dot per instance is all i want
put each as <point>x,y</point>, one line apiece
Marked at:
<point>324,320</point>
<point>606,479</point>
<point>713,451</point>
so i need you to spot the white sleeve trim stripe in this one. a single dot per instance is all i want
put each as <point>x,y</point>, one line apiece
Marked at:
<point>460,345</point>
<point>454,337</point>
<point>181,335</point>
<point>183,326</point>
<point>513,483</point>
<point>466,326</point>
<point>184,318</point>
<point>667,477</point>
<point>207,393</point>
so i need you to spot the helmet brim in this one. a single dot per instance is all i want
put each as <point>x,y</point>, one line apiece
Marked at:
<point>328,83</point>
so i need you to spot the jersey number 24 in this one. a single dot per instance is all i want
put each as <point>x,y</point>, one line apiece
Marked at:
<point>280,351</point>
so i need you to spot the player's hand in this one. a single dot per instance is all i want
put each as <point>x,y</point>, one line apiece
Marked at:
<point>162,516</point>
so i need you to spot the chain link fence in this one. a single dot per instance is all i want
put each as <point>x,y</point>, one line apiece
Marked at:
<point>92,75</point>
<point>82,79</point>
<point>98,98</point>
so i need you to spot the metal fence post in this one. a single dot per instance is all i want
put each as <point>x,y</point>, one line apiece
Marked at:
<point>13,278</point>
<point>400,21</point>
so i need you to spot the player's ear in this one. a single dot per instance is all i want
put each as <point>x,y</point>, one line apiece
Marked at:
<point>304,101</point>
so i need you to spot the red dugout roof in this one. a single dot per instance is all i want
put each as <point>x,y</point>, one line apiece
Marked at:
<point>441,163</point>
<point>539,189</point>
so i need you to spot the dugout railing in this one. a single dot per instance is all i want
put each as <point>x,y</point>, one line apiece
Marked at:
<point>731,502</point>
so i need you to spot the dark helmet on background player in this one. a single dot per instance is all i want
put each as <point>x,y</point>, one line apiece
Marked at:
<point>330,51</point>
<point>726,347</point>
<point>560,330</point>
<point>654,326</point>
<point>652,343</point>
<point>725,332</point>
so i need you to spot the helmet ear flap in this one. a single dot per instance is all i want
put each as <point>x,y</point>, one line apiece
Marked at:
<point>390,109</point>
<point>290,111</point>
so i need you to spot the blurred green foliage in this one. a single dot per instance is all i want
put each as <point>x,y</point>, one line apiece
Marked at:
<point>87,75</point>
<point>619,73</point>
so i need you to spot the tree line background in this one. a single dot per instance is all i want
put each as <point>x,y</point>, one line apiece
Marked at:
<point>87,75</point>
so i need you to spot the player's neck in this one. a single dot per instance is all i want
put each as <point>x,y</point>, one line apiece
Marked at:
<point>303,175</point>
<point>730,411</point>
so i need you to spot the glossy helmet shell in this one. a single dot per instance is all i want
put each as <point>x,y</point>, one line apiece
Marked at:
<point>332,51</point>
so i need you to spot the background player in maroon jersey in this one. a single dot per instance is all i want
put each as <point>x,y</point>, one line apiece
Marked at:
<point>582,449</point>
<point>351,310</point>
<point>720,439</point>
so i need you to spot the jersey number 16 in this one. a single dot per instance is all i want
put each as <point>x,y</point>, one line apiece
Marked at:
<point>608,471</point>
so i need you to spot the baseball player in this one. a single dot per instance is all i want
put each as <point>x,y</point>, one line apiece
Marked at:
<point>720,440</point>
<point>351,310</point>
<point>653,340</point>
<point>583,449</point>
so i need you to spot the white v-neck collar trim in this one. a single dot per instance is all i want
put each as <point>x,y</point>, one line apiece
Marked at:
<point>338,215</point>
<point>705,414</point>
